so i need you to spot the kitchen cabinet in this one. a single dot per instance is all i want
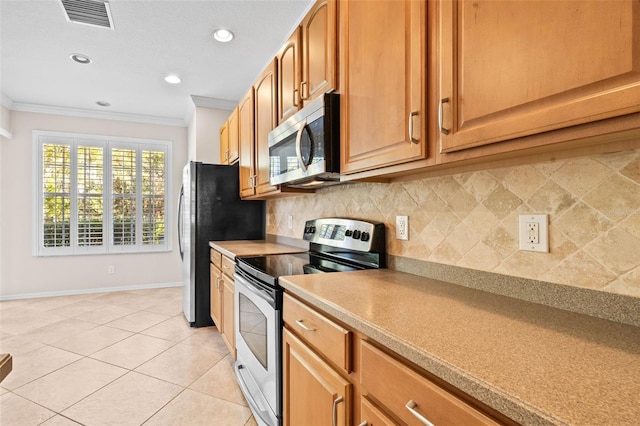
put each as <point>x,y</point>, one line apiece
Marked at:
<point>222,297</point>
<point>313,392</point>
<point>383,83</point>
<point>229,144</point>
<point>288,60</point>
<point>514,69</point>
<point>327,365</point>
<point>216,289</point>
<point>307,63</point>
<point>246,140</point>
<point>318,51</point>
<point>266,119</point>
<point>224,143</point>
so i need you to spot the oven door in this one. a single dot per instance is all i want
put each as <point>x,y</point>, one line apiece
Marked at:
<point>258,335</point>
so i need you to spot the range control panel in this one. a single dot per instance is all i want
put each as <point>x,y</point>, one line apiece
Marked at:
<point>346,233</point>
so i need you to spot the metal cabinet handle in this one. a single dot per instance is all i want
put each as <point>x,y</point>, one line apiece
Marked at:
<point>303,325</point>
<point>411,138</point>
<point>303,84</point>
<point>440,113</point>
<point>364,423</point>
<point>295,97</point>
<point>411,406</point>
<point>336,401</point>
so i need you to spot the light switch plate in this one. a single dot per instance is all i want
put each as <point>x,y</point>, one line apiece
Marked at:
<point>534,232</point>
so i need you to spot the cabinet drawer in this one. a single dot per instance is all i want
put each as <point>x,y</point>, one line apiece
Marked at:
<point>370,415</point>
<point>228,266</point>
<point>216,258</point>
<point>329,338</point>
<point>399,384</point>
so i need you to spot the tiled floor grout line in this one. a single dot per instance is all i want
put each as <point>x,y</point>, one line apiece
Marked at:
<point>169,330</point>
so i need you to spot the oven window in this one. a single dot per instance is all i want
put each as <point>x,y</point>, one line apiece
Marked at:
<point>253,328</point>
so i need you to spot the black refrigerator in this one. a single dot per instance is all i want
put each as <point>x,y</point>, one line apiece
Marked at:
<point>210,209</point>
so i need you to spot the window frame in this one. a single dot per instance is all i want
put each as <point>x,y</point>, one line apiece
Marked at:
<point>107,143</point>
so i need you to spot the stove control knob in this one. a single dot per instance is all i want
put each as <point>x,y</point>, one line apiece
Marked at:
<point>365,236</point>
<point>356,235</point>
<point>348,233</point>
<point>312,229</point>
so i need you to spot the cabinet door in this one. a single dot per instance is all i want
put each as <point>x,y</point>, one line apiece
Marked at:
<point>224,143</point>
<point>247,145</point>
<point>289,77</point>
<point>216,296</point>
<point>228,311</point>
<point>318,51</point>
<point>313,393</point>
<point>266,119</point>
<point>511,69</point>
<point>233,136</point>
<point>383,111</point>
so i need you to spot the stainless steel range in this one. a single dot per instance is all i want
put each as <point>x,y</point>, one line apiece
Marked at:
<point>335,245</point>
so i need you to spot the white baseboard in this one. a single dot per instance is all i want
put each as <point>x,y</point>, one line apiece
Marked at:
<point>88,291</point>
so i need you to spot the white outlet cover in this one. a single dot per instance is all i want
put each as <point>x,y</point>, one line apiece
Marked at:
<point>402,228</point>
<point>543,230</point>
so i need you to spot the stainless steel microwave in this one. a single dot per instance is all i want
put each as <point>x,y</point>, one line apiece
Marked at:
<point>304,151</point>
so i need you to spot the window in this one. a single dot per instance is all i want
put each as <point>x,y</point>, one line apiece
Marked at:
<point>100,195</point>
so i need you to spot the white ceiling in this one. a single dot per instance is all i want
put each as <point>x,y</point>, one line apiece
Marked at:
<point>151,38</point>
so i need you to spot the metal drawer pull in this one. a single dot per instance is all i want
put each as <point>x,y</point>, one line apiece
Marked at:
<point>301,324</point>
<point>364,423</point>
<point>336,401</point>
<point>411,406</point>
<point>411,138</point>
<point>442,129</point>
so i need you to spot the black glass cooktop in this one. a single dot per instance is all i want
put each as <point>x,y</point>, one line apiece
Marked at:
<point>275,265</point>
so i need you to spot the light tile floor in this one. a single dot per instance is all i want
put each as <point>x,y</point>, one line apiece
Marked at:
<point>125,358</point>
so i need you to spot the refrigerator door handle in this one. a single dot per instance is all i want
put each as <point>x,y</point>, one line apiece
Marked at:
<point>180,221</point>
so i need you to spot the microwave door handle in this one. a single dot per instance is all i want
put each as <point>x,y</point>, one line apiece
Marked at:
<point>299,145</point>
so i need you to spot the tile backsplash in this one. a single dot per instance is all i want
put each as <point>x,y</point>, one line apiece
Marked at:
<point>471,219</point>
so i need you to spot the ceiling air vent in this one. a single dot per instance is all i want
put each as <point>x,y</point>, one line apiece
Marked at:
<point>88,12</point>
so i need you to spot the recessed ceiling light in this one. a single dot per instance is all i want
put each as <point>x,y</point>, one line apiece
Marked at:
<point>172,79</point>
<point>103,103</point>
<point>223,35</point>
<point>80,58</point>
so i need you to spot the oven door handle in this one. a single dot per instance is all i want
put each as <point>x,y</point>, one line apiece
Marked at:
<point>261,294</point>
<point>263,414</point>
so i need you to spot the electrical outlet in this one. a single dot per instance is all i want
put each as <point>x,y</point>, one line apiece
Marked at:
<point>290,222</point>
<point>534,232</point>
<point>402,227</point>
<point>111,269</point>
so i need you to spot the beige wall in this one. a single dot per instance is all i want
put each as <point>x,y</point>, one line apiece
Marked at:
<point>204,134</point>
<point>470,219</point>
<point>23,274</point>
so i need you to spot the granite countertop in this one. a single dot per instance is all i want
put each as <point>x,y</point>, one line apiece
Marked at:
<point>232,249</point>
<point>534,363</point>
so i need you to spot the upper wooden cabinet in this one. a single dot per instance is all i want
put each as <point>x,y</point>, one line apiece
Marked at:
<point>229,139</point>
<point>233,136</point>
<point>318,54</point>
<point>288,60</point>
<point>224,143</point>
<point>246,142</point>
<point>383,83</point>
<point>266,119</point>
<point>512,69</point>
<point>307,63</point>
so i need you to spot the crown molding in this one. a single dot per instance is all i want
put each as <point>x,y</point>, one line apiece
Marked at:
<point>203,101</point>
<point>86,113</point>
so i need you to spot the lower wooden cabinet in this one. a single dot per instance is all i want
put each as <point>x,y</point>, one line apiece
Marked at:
<point>313,392</point>
<point>381,388</point>
<point>222,298</point>
<point>228,322</point>
<point>216,295</point>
